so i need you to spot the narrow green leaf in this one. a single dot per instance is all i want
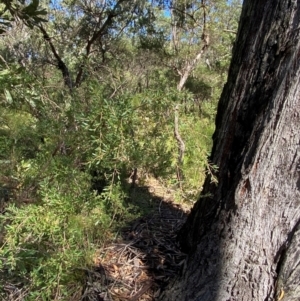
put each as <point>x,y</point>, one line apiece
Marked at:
<point>8,96</point>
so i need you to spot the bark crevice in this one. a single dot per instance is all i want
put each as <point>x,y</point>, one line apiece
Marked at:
<point>245,231</point>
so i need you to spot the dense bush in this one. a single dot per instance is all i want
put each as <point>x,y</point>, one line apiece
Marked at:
<point>78,114</point>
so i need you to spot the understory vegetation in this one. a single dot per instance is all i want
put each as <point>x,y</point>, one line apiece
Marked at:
<point>88,103</point>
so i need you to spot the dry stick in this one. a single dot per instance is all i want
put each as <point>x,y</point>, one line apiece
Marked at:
<point>230,31</point>
<point>190,65</point>
<point>181,146</point>
<point>141,292</point>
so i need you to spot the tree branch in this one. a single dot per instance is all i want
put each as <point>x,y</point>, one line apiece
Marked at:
<point>230,31</point>
<point>97,34</point>
<point>190,65</point>
<point>60,63</point>
<point>181,146</point>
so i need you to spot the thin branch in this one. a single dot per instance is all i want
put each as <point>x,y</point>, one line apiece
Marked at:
<point>181,146</point>
<point>4,61</point>
<point>97,34</point>
<point>184,12</point>
<point>190,65</point>
<point>60,63</point>
<point>230,31</point>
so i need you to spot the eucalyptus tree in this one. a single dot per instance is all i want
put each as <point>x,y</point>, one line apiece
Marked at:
<point>195,27</point>
<point>243,234</point>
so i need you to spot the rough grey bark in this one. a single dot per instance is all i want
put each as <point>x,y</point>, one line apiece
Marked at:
<point>243,239</point>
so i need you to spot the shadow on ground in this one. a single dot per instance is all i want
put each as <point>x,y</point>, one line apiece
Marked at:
<point>146,257</point>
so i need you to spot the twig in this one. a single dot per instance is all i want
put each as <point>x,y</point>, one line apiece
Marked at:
<point>181,146</point>
<point>141,292</point>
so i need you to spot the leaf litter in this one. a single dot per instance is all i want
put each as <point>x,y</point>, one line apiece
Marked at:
<point>144,260</point>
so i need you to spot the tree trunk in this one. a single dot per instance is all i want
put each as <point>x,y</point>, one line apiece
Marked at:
<point>181,147</point>
<point>190,65</point>
<point>243,236</point>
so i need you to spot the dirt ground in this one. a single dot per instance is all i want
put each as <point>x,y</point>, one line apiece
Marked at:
<point>146,256</point>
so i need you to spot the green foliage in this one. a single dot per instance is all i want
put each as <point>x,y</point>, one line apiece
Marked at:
<point>47,243</point>
<point>66,153</point>
<point>30,14</point>
<point>198,144</point>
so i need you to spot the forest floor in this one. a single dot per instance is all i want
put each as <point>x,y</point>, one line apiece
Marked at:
<point>146,256</point>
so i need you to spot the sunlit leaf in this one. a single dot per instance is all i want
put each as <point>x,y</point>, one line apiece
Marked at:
<point>8,96</point>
